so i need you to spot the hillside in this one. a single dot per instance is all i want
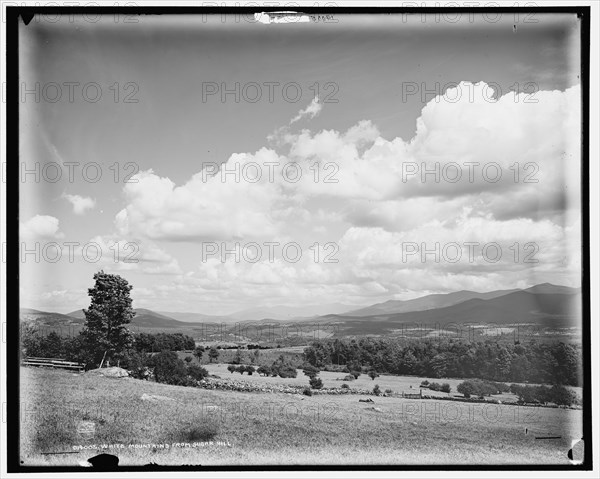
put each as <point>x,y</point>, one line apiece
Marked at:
<point>423,303</point>
<point>144,318</point>
<point>521,307</point>
<point>544,305</point>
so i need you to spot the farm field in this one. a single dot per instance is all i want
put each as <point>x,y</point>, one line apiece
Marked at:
<point>398,384</point>
<point>61,410</point>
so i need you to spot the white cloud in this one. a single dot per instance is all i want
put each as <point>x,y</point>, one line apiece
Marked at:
<point>80,203</point>
<point>374,206</point>
<point>143,256</point>
<point>312,110</point>
<point>41,227</point>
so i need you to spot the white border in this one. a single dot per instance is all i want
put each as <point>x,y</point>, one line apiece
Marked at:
<point>594,238</point>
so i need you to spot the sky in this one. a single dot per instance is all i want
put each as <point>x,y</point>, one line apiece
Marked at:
<point>132,131</point>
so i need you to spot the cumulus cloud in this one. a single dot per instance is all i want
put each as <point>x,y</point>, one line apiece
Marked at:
<point>41,227</point>
<point>478,169</point>
<point>143,256</point>
<point>80,203</point>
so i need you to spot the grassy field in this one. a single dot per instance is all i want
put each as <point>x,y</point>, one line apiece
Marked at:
<point>398,384</point>
<point>62,412</point>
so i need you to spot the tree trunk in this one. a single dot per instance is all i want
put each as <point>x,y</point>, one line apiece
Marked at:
<point>102,362</point>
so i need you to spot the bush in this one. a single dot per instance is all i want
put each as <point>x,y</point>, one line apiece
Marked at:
<point>345,386</point>
<point>283,368</point>
<point>373,374</point>
<point>240,369</point>
<point>168,368</point>
<point>213,354</point>
<point>315,383</point>
<point>264,370</point>
<point>446,388</point>
<point>199,352</point>
<point>543,394</point>
<point>288,372</point>
<point>466,388</point>
<point>477,387</point>
<point>561,396</point>
<point>188,359</point>
<point>136,364</point>
<point>355,373</point>
<point>349,377</point>
<point>250,370</point>
<point>311,371</point>
<point>389,391</point>
<point>502,387</point>
<point>376,390</point>
<point>425,384</point>
<point>307,392</point>
<point>435,387</point>
<point>231,368</point>
<point>196,372</point>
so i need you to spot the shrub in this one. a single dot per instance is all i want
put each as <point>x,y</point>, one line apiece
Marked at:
<point>196,372</point>
<point>389,391</point>
<point>373,374</point>
<point>307,392</point>
<point>425,384</point>
<point>188,359</point>
<point>250,370</point>
<point>311,371</point>
<point>349,377</point>
<point>435,387</point>
<point>231,368</point>
<point>477,387</point>
<point>264,370</point>
<point>168,368</point>
<point>199,352</point>
<point>213,354</point>
<point>561,396</point>
<point>315,383</point>
<point>446,388</point>
<point>240,369</point>
<point>283,368</point>
<point>135,363</point>
<point>288,372</point>
<point>543,394</point>
<point>502,387</point>
<point>355,373</point>
<point>466,388</point>
<point>376,390</point>
<point>345,386</point>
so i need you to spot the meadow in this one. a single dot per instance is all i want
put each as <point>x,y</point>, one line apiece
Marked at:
<point>68,417</point>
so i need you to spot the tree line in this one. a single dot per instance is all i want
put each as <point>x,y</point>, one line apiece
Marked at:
<point>54,345</point>
<point>533,361</point>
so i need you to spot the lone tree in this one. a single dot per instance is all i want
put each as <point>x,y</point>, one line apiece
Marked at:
<point>198,352</point>
<point>105,333</point>
<point>213,354</point>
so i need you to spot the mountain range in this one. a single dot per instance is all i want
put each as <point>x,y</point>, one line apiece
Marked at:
<point>544,304</point>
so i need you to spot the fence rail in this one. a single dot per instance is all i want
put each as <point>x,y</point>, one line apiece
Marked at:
<point>52,363</point>
<point>419,395</point>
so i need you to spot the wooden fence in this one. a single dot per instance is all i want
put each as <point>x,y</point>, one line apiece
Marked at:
<point>412,395</point>
<point>52,363</point>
